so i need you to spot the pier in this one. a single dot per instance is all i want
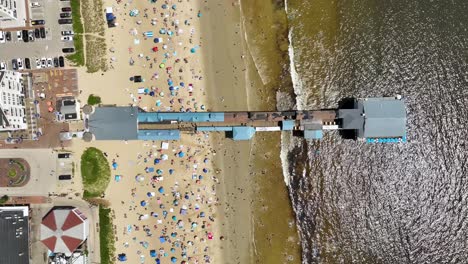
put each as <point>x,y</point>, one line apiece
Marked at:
<point>376,120</point>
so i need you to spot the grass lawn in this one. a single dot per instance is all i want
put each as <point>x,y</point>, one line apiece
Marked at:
<point>95,171</point>
<point>12,173</point>
<point>106,235</point>
<point>78,57</point>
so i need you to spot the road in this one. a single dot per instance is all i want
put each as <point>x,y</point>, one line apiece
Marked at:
<point>43,164</point>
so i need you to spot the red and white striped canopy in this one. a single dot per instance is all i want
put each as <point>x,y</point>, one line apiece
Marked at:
<point>63,230</point>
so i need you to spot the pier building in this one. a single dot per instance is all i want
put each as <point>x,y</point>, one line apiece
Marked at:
<point>373,119</point>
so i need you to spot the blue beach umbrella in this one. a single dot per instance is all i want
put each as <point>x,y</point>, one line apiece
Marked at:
<point>173,259</point>
<point>161,190</point>
<point>162,239</point>
<point>143,203</point>
<point>158,261</point>
<point>174,7</point>
<point>156,161</point>
<point>164,6</point>
<point>159,171</point>
<point>170,82</point>
<point>205,170</point>
<point>115,165</point>
<point>153,253</point>
<point>171,171</point>
<point>182,84</point>
<point>181,154</point>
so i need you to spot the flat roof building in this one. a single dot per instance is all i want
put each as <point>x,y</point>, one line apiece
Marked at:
<point>114,123</point>
<point>12,108</point>
<point>12,13</point>
<point>14,234</point>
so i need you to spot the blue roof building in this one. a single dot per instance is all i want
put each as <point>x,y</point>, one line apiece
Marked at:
<point>158,117</point>
<point>243,133</point>
<point>158,134</point>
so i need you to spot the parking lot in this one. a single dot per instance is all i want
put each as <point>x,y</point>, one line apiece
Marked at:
<point>43,41</point>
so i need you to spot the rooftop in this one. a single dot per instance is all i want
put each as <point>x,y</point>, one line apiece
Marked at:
<point>114,123</point>
<point>14,235</point>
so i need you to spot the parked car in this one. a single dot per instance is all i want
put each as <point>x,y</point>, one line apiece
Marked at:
<point>2,65</point>
<point>31,35</point>
<point>25,35</point>
<point>49,63</point>
<point>67,32</point>
<point>38,22</point>
<point>19,35</point>
<point>14,64</point>
<point>8,35</point>
<point>35,4</point>
<point>42,31</point>
<point>2,37</point>
<point>66,9</point>
<point>68,50</point>
<point>64,155</point>
<point>56,62</point>
<point>38,63</point>
<point>20,64</point>
<point>27,63</point>
<point>65,21</point>
<point>61,61</point>
<point>37,33</point>
<point>65,15</point>
<point>67,38</point>
<point>64,177</point>
<point>43,62</point>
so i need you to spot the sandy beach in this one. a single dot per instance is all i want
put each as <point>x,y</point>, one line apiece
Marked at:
<point>194,206</point>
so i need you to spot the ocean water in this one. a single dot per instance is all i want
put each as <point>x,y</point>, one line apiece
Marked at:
<point>371,203</point>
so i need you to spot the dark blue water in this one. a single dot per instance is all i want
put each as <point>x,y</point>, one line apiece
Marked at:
<point>364,203</point>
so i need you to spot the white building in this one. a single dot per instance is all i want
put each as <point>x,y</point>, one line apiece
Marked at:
<point>12,109</point>
<point>12,13</point>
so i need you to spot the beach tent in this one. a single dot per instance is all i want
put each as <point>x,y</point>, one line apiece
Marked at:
<point>164,145</point>
<point>122,257</point>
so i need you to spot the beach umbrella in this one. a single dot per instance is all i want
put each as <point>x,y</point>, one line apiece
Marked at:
<point>206,160</point>
<point>174,217</point>
<point>155,49</point>
<point>205,170</point>
<point>173,234</point>
<point>172,250</point>
<point>174,7</point>
<point>158,103</point>
<point>182,84</point>
<point>173,259</point>
<point>202,107</point>
<point>114,165</point>
<point>170,82</point>
<point>164,6</point>
<point>192,50</point>
<point>143,203</point>
<point>158,261</point>
<point>156,161</point>
<point>202,214</point>
<point>164,157</point>
<point>146,90</point>
<point>139,178</point>
<point>161,189</point>
<point>151,93</point>
<point>150,194</point>
<point>161,94</point>
<point>162,239</point>
<point>159,171</point>
<point>153,253</point>
<point>118,178</point>
<point>171,171</point>
<point>181,154</point>
<point>162,31</point>
<point>162,65</point>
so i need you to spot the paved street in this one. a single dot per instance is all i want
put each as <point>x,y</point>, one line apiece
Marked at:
<point>43,164</point>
